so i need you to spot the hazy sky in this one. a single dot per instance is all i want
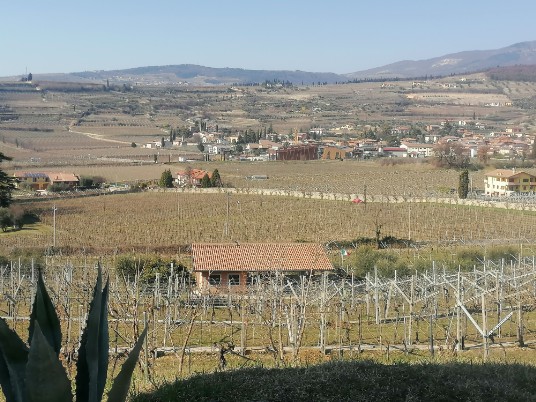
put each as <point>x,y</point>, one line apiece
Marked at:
<point>340,36</point>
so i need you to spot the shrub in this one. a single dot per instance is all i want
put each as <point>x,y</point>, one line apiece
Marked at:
<point>146,267</point>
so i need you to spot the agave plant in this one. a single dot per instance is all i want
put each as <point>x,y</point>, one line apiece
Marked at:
<point>34,372</point>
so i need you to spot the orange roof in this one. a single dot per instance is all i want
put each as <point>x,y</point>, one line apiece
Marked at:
<point>195,174</point>
<point>505,173</point>
<point>62,177</point>
<point>260,257</point>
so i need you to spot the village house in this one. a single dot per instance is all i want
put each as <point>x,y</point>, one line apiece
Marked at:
<point>69,180</point>
<point>394,152</point>
<point>336,152</point>
<point>215,149</point>
<point>31,180</point>
<point>503,182</point>
<point>191,177</point>
<point>232,266</point>
<point>42,180</point>
<point>417,150</point>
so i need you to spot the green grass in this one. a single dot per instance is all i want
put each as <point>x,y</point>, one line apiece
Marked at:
<point>358,381</point>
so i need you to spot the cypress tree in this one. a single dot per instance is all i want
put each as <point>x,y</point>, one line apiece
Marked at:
<point>463,184</point>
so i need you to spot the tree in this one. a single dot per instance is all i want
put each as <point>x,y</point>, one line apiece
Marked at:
<point>215,180</point>
<point>482,153</point>
<point>201,147</point>
<point>463,185</point>
<point>205,181</point>
<point>450,155</point>
<point>17,215</point>
<point>5,219</point>
<point>166,179</point>
<point>6,184</point>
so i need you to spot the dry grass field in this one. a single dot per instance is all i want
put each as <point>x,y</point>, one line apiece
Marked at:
<point>163,221</point>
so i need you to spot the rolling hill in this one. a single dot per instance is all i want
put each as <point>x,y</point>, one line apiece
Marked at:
<point>523,53</point>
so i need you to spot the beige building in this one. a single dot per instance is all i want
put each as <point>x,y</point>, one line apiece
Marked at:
<point>503,182</point>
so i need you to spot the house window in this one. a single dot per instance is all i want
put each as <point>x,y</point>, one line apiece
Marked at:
<point>252,279</point>
<point>214,279</point>
<point>525,180</point>
<point>234,279</point>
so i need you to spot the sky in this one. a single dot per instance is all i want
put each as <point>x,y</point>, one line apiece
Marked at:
<point>339,36</point>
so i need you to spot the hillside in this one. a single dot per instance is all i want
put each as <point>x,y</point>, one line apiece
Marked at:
<point>464,62</point>
<point>455,63</point>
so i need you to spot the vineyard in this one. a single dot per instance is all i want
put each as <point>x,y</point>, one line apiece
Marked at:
<point>442,312</point>
<point>152,221</point>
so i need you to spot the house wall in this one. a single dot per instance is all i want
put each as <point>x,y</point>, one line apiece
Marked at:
<point>36,183</point>
<point>203,281</point>
<point>499,186</point>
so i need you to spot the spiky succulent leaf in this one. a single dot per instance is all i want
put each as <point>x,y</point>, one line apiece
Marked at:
<point>46,380</point>
<point>87,365</point>
<point>119,390</point>
<point>44,313</point>
<point>15,355</point>
<point>5,381</point>
<point>103,338</point>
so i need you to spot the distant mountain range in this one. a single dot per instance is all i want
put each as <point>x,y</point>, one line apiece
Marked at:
<point>456,63</point>
<point>188,74</point>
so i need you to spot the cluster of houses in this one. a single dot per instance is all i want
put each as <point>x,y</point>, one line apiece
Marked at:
<point>319,143</point>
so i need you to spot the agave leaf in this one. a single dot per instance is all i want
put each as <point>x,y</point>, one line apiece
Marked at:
<point>44,313</point>
<point>5,380</point>
<point>119,390</point>
<point>103,343</point>
<point>15,356</point>
<point>46,380</point>
<point>87,365</point>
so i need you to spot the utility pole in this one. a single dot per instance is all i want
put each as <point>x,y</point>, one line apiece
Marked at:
<point>54,209</point>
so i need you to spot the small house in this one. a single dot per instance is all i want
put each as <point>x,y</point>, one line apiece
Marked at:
<point>191,177</point>
<point>31,180</point>
<point>231,266</point>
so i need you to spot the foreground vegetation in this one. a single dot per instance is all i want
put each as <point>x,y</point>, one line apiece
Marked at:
<point>358,381</point>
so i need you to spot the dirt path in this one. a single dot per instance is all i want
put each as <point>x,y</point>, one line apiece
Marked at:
<point>98,137</point>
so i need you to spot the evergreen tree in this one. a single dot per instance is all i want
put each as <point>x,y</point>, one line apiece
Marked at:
<point>6,184</point>
<point>463,186</point>
<point>215,181</point>
<point>166,179</point>
<point>205,181</point>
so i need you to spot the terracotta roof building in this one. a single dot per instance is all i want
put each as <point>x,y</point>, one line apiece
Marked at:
<point>230,264</point>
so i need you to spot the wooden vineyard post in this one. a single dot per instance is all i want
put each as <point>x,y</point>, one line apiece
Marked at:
<point>244,329</point>
<point>431,334</point>
<point>146,351</point>
<point>485,337</point>
<point>323,314</point>
<point>520,340</point>
<point>458,313</point>
<point>376,297</point>
<point>412,295</point>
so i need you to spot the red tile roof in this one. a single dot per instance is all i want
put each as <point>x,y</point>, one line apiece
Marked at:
<point>259,257</point>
